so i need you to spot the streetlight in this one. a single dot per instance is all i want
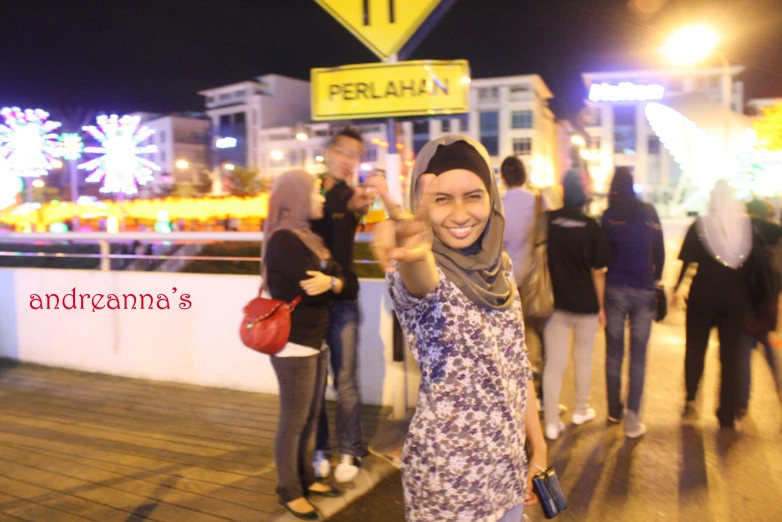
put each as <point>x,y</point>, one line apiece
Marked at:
<point>692,44</point>
<point>182,164</point>
<point>229,166</point>
<point>39,183</point>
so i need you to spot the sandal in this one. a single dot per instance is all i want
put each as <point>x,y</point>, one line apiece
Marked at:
<point>310,515</point>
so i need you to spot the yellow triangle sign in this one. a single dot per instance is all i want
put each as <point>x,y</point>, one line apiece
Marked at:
<point>382,25</point>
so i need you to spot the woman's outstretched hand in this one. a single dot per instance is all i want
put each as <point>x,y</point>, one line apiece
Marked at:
<point>407,239</point>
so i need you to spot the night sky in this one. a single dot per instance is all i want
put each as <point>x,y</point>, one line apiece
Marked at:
<point>118,55</point>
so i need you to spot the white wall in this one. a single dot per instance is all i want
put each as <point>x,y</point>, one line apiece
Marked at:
<point>197,346</point>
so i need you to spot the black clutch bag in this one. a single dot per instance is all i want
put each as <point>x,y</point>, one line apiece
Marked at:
<point>549,493</point>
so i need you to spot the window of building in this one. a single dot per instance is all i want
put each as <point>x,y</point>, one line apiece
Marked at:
<point>445,125</point>
<point>489,125</point>
<point>224,96</point>
<point>162,136</point>
<point>225,119</point>
<point>654,145</point>
<point>420,135</point>
<point>464,123</point>
<point>522,146</point>
<point>521,119</point>
<point>488,93</point>
<point>594,143</point>
<point>519,88</point>
<point>239,118</point>
<point>162,156</point>
<point>624,129</point>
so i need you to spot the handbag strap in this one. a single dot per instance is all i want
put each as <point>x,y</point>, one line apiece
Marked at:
<point>292,305</point>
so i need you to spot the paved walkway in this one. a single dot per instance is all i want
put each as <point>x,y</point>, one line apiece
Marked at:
<point>678,472</point>
<point>77,446</point>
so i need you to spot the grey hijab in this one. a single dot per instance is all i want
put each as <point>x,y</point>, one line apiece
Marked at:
<point>289,209</point>
<point>481,274</point>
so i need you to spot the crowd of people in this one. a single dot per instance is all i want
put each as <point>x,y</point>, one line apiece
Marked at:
<point>463,265</point>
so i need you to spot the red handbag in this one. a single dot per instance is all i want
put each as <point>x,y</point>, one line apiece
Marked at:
<point>266,326</point>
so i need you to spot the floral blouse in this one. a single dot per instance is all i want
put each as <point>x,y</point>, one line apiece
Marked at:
<point>464,456</point>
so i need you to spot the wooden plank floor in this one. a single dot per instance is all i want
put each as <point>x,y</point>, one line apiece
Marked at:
<point>77,446</point>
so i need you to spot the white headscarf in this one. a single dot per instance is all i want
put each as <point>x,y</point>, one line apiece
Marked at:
<point>726,230</point>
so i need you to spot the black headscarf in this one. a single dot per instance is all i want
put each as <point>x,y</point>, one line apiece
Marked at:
<point>478,271</point>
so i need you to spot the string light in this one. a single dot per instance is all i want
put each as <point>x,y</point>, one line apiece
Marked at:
<point>27,143</point>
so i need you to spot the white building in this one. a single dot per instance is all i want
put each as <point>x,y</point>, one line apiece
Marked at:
<point>240,111</point>
<point>183,146</point>
<point>509,115</point>
<point>619,133</point>
<point>304,146</point>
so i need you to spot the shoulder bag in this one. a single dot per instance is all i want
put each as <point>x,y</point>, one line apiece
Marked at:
<point>266,326</point>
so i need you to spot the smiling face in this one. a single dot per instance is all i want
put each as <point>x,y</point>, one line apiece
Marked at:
<point>461,208</point>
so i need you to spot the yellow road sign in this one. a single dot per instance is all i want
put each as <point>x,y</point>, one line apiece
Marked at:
<point>382,25</point>
<point>379,90</point>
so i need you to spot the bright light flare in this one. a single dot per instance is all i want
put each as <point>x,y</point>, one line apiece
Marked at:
<point>182,164</point>
<point>691,44</point>
<point>229,166</point>
<point>39,183</point>
<point>577,140</point>
<point>27,143</point>
<point>276,155</point>
<point>120,167</point>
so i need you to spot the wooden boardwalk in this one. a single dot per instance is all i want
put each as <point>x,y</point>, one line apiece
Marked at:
<point>77,446</point>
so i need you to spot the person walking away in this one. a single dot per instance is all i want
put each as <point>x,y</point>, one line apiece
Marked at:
<point>635,238</point>
<point>454,292</point>
<point>720,244</point>
<point>523,210</point>
<point>342,214</point>
<point>578,256</point>
<point>296,262</point>
<point>762,216</point>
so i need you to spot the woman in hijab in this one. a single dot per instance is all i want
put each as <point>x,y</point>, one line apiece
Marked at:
<point>720,243</point>
<point>638,254</point>
<point>578,256</point>
<point>453,290</point>
<point>297,263</point>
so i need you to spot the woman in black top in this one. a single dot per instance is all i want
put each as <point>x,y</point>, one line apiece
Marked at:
<point>720,243</point>
<point>297,263</point>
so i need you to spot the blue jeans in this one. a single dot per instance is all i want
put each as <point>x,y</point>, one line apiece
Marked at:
<point>342,339</point>
<point>640,306</point>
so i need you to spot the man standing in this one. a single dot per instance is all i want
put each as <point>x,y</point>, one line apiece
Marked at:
<point>342,214</point>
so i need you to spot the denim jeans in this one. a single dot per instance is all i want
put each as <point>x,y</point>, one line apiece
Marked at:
<point>342,339</point>
<point>302,381</point>
<point>640,306</point>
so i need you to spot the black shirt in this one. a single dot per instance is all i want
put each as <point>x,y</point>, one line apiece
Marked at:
<point>338,229</point>
<point>287,261</point>
<point>576,246</point>
<point>714,281</point>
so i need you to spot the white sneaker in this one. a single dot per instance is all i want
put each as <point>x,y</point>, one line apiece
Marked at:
<point>321,464</point>
<point>579,419</point>
<point>347,469</point>
<point>553,431</point>
<point>634,428</point>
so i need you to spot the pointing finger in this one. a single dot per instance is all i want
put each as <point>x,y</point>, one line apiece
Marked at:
<point>427,186</point>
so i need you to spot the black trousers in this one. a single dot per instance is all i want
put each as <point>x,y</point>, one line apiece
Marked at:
<point>729,317</point>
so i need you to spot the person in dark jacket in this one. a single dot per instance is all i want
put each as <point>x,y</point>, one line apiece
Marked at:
<point>762,216</point>
<point>296,262</point>
<point>637,251</point>
<point>720,243</point>
<point>344,207</point>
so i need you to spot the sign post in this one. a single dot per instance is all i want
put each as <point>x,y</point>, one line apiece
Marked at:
<point>391,29</point>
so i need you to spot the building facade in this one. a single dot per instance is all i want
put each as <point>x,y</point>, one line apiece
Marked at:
<point>240,111</point>
<point>183,146</point>
<point>618,133</point>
